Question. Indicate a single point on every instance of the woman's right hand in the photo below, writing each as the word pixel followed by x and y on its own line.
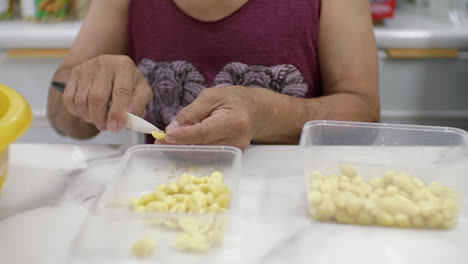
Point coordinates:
pixel 103 89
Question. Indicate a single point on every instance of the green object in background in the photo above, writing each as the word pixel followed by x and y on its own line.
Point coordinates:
pixel 6 9
pixel 5 15
pixel 51 9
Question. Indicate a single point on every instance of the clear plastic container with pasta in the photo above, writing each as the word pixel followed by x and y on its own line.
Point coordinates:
pixel 385 175
pixel 169 204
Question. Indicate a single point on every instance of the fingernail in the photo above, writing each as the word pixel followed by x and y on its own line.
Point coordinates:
pixel 102 127
pixel 113 126
pixel 173 125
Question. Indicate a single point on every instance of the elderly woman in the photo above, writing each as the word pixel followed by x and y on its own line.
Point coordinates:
pixel 221 72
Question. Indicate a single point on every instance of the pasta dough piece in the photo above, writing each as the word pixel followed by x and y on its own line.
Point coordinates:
pixel 179 208
pixel 159 134
pixel 217 177
pixel 144 247
pixel 343 217
pixel 197 195
pixel 344 178
pixel 365 219
pixel 196 201
pixel 435 220
pixel 185 241
pixel 315 197
pixel 396 199
pixel 346 187
pixel 402 220
pixel 348 170
pixel 384 219
pixel 391 190
pixel 188 194
pixel 404 182
pixel 170 200
pixel 224 200
pixel 365 189
pixel 190 188
pixel 357 180
pixel 417 182
pixel 157 206
pixel 327 209
pixel 376 183
pixel 318 175
pixel 354 205
pixel 417 221
pixel 171 188
pixel 388 177
pixel 341 199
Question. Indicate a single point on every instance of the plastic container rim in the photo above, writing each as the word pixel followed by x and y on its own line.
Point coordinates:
pixel 308 125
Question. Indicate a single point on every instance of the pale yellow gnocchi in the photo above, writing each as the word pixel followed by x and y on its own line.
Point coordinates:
pixel 144 247
pixel 190 194
pixel 396 199
pixel 200 234
pixel 159 134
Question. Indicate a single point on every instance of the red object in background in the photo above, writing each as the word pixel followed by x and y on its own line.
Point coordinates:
pixel 382 9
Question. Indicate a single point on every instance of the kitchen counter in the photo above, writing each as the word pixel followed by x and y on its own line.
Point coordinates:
pixel 17 34
pixel 409 29
pixel 412 29
pixel 51 188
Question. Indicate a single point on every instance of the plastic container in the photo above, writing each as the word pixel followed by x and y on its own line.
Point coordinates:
pixel 113 227
pixel 15 118
pixel 432 154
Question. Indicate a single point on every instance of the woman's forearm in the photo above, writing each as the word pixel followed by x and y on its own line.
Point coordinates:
pixel 280 118
pixel 60 118
pixel 103 31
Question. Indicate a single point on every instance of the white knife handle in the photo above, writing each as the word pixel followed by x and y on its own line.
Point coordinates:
pixel 139 124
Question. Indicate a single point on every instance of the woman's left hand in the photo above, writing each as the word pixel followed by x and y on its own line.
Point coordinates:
pixel 219 116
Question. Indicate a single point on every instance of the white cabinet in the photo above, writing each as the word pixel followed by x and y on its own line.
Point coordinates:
pixel 424 91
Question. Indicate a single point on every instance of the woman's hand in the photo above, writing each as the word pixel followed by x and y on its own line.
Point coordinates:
pixel 103 89
pixel 219 116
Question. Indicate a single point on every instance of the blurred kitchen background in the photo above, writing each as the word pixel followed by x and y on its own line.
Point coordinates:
pixel 423 59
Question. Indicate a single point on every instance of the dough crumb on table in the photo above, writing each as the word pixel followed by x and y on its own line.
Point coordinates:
pixel 395 200
pixel 144 247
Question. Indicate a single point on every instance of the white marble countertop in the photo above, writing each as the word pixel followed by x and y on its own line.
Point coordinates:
pixel 409 29
pixel 51 188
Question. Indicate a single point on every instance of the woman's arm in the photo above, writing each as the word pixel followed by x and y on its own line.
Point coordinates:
pixel 349 68
pixel 348 63
pixel 104 31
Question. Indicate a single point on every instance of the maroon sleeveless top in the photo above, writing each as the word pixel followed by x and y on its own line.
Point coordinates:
pixel 266 43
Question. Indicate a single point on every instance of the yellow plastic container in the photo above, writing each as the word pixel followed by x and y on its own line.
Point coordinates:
pixel 15 118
